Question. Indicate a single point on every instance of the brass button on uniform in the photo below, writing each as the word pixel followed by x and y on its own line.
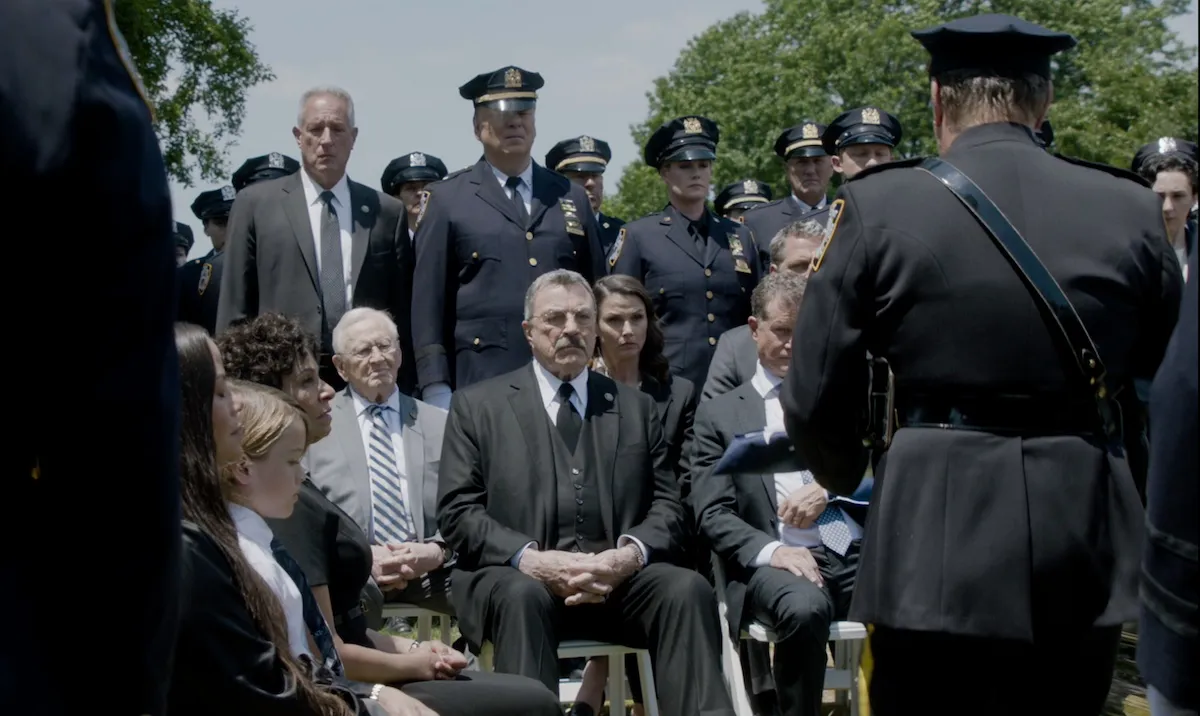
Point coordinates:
pixel 712 341
pixel 574 471
pixel 708 295
pixel 661 291
pixel 708 272
pixel 711 318
pixel 529 236
pixel 533 262
pixel 476 341
pixel 474 254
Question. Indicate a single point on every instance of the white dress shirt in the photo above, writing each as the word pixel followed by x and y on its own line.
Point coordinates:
pixel 254 537
pixel 341 204
pixel 806 209
pixel 525 189
pixel 395 426
pixel 767 384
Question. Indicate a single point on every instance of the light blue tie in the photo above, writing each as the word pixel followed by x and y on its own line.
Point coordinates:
pixel 835 533
pixel 391 521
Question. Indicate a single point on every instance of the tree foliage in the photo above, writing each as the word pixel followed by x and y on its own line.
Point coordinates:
pixel 1129 81
pixel 192 58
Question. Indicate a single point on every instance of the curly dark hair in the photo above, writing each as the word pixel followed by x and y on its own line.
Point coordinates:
pixel 651 361
pixel 1171 163
pixel 266 348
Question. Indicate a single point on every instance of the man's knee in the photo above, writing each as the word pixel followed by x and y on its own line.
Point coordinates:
pixel 803 614
pixel 520 592
pixel 683 586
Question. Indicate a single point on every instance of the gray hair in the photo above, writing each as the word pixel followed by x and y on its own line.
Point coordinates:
pixel 781 284
pixel 970 98
pixel 356 317
pixel 330 91
pixel 803 228
pixel 557 277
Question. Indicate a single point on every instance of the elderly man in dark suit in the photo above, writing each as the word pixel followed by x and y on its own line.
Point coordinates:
pixel 557 494
pixel 314 244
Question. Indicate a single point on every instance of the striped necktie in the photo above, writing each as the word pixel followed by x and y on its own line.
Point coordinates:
pixel 391 521
pixel 313 618
pixel 835 533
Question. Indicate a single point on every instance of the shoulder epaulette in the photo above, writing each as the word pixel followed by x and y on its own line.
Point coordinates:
pixel 1106 168
pixel 897 164
pixel 451 175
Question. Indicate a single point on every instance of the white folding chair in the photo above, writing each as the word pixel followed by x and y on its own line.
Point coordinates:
pixel 424 617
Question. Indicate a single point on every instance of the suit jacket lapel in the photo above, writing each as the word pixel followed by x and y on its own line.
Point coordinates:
pixel 530 415
pixel 752 415
pixel 296 208
pixel 489 189
pixel 678 234
pixel 414 462
pixel 362 218
pixel 602 424
pixel 348 433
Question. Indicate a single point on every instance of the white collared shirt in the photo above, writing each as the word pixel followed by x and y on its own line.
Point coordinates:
pixel 525 189
pixel 806 209
pixel 548 387
pixel 254 537
pixel 343 207
pixel 767 384
pixel 395 427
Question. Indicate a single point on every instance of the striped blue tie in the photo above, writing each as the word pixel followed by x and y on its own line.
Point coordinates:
pixel 391 520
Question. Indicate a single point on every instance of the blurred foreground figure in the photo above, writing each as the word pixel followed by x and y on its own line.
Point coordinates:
pixel 92 467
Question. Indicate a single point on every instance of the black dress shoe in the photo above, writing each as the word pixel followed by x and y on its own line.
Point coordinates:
pixel 581 709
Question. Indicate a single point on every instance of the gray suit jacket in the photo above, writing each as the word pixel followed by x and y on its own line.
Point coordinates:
pixel 338 464
pixel 732 364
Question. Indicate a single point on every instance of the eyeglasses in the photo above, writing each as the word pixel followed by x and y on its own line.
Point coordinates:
pixel 584 318
pixel 384 347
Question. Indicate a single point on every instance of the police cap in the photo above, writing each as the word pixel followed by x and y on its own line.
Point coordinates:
pixel 183 236
pixel 683 139
pixel 268 166
pixel 742 195
pixel 1164 146
pixel 992 45
pixel 508 89
pixel 579 154
pixel 415 166
pixel 214 204
pixel 803 140
pixel 865 125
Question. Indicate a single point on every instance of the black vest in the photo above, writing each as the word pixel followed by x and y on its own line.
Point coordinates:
pixel 580 524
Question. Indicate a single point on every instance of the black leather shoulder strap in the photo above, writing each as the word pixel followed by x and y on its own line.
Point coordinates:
pixel 1056 309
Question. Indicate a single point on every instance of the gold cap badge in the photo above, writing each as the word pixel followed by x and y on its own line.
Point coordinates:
pixel 750 186
pixel 587 144
pixel 809 131
pixel 870 115
pixel 691 125
pixel 512 78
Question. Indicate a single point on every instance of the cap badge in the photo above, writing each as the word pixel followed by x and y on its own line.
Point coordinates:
pixel 228 193
pixel 275 160
pixel 691 125
pixel 870 115
pixel 587 144
pixel 512 78
pixel 416 159
pixel 1167 144
pixel 750 186
pixel 809 131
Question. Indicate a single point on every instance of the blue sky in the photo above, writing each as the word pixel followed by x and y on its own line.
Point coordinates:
pixel 403 62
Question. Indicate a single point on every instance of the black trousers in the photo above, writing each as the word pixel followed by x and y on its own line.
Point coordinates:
pixel 667 609
pixel 479 693
pixel 1064 674
pixel 800 613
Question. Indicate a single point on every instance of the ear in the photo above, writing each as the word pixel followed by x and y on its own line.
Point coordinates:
pixel 935 96
pixel 836 161
pixel 527 329
pixel 296 134
pixel 353 137
pixel 772 268
pixel 339 363
pixel 753 323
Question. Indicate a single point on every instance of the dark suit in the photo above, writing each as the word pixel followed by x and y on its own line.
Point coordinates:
pixel 610 228
pixel 769 219
pixel 200 291
pixel 739 515
pixel 733 362
pixel 271 260
pixel 475 261
pixel 1007 546
pixel 75 134
pixel 500 489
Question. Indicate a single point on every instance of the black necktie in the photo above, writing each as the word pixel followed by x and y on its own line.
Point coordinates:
pixel 569 423
pixel 514 183
pixel 313 619
pixel 333 280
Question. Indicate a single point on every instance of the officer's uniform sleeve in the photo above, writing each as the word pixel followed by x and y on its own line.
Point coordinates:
pixel 625 256
pixel 434 290
pixel 827 381
pixel 239 277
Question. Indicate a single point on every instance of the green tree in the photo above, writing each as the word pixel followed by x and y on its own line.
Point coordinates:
pixel 192 58
pixel 1129 81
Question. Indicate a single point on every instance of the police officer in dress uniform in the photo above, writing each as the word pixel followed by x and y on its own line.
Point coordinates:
pixel 809 169
pixel 1003 541
pixel 1170 165
pixel 75 116
pixel 262 168
pixel 406 177
pixel 200 279
pixel 184 240
pixel 737 198
pixel 583 160
pixel 484 233
pixel 699 268
pixel 861 138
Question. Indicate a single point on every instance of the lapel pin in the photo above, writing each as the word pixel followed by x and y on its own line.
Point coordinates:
pixel 364 208
pixel 608 396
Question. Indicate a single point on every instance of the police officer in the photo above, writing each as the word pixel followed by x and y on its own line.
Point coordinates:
pixel 184 240
pixel 809 170
pixel 699 268
pixel 200 279
pixel 1005 532
pixel 75 117
pixel 583 160
pixel 483 235
pixel 737 198
pixel 860 139
pixel 1171 166
pixel 406 177
pixel 262 168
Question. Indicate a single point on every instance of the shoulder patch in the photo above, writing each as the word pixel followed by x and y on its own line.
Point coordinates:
pixel 835 215
pixel 424 195
pixel 615 252
pixel 897 164
pixel 1106 168
pixel 118 40
pixel 205 277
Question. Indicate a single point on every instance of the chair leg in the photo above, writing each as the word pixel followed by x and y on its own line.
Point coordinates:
pixel 616 684
pixel 649 690
pixel 424 626
pixel 854 664
pixel 841 653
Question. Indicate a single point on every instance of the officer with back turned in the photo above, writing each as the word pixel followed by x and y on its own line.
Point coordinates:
pixel 483 235
pixel 1005 528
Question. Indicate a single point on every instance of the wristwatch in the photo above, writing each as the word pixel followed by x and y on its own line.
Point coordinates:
pixel 375 691
pixel 447 553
